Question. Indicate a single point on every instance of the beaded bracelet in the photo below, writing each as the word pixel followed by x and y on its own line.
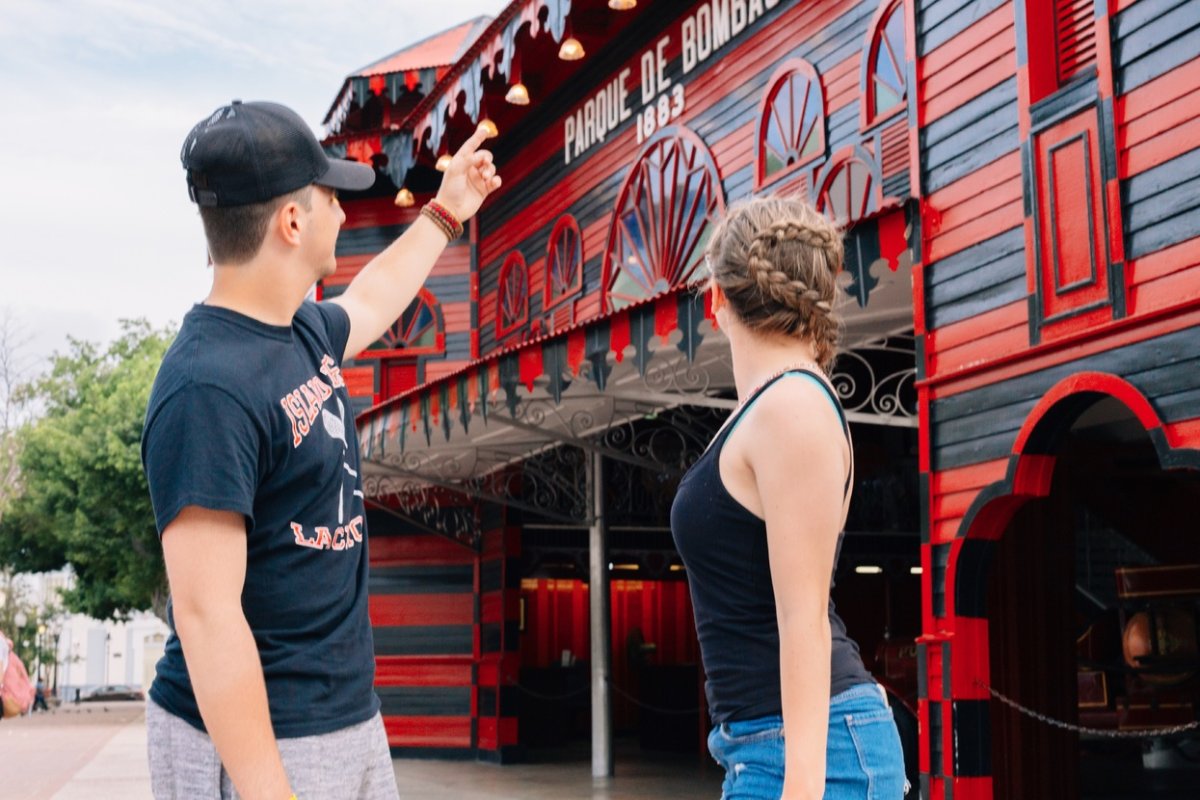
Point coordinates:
pixel 443 218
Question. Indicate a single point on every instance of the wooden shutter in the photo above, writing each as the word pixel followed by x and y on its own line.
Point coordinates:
pixel 1075 34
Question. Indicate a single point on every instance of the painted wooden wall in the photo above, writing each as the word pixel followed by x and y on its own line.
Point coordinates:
pixel 724 103
pixel 996 340
pixel 445 624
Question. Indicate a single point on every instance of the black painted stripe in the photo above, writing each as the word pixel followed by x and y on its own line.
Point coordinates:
pixel 491 576
pixel 972 136
pixel 358 241
pixel 424 701
pixel 981 425
pixel 438 579
pixel 1064 103
pixel 1145 27
pixel 450 288
pixel 1153 38
pixel 941 20
pixel 940 556
pixel 491 637
pixel 424 640
pixel 935 738
pixel 1160 205
pixel 897 185
pixel 976 294
pixel 843 127
pixel 980 278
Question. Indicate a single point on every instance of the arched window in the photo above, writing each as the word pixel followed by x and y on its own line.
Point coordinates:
pixel 885 82
pixel 419 331
pixel 849 191
pixel 664 214
pixel 791 125
pixel 564 262
pixel 512 295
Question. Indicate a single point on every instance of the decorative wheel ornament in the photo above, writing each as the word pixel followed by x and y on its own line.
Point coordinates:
pixel 512 296
pixel 849 192
pixel 417 331
pixel 886 84
pixel 664 214
pixel 564 262
pixel 791 129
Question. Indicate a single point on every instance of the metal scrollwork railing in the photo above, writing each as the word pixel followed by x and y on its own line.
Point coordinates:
pixel 878 378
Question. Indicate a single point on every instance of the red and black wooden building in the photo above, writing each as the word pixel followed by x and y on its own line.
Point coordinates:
pixel 1022 303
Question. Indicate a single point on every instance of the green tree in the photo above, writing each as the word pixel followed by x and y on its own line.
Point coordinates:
pixel 83 499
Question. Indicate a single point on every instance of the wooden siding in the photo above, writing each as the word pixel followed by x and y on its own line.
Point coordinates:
pixel 539 188
pixel 939 21
pixel 981 424
pixel 422 609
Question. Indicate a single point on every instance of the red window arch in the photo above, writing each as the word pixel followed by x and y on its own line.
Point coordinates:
pixel 664 214
pixel 849 190
pixel 512 295
pixel 564 262
pixel 885 71
pixel 791 125
pixel 420 330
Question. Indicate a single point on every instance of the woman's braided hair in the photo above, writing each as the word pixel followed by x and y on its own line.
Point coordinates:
pixel 777 261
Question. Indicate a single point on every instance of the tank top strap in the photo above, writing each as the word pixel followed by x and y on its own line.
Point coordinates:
pixel 719 443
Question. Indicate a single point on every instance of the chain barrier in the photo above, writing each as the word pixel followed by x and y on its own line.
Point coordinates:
pixel 1149 733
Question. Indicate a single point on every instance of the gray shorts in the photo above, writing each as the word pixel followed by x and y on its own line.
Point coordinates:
pixel 351 763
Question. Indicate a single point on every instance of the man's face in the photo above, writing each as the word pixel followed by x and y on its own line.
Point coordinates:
pixel 325 220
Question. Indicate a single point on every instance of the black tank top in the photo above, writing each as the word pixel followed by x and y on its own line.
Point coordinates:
pixel 724 548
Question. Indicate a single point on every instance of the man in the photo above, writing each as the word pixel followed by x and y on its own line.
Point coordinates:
pixel 265 690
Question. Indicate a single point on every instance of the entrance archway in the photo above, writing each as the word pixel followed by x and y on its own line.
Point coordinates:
pixel 1078 586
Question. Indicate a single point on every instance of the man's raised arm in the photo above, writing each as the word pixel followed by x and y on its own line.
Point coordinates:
pixel 379 294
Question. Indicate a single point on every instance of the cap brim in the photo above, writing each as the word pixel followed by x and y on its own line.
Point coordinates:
pixel 349 176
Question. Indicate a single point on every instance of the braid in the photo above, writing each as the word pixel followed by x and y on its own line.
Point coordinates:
pixel 777 262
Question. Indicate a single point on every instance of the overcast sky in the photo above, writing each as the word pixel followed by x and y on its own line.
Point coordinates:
pixel 96 97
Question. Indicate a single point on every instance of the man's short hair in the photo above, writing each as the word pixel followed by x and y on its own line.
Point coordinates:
pixel 235 234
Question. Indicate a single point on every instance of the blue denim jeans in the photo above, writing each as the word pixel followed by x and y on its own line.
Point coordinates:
pixel 863 758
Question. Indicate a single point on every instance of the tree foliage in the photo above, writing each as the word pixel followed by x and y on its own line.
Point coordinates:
pixel 83 499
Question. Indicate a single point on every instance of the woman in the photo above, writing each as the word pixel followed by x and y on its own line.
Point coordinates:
pixel 758 522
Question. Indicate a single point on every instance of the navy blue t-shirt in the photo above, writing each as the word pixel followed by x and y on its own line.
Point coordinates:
pixel 255 418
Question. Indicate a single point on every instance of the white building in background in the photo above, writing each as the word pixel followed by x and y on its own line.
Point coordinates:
pixel 92 652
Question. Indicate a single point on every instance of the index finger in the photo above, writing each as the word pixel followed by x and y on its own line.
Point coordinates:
pixel 472 144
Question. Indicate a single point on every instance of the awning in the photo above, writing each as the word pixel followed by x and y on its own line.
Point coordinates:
pixel 588 385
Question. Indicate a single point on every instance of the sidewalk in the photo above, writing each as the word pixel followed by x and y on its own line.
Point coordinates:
pixel 98 752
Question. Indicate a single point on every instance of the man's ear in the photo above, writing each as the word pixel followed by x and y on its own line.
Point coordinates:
pixel 289 222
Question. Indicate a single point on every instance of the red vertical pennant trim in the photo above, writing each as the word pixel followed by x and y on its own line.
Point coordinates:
pixel 472 389
pixel 891 238
pixel 414 411
pixel 493 381
pixel 666 317
pixel 435 404
pixel 530 360
pixel 378 84
pixel 618 335
pixel 576 348
pixel 452 397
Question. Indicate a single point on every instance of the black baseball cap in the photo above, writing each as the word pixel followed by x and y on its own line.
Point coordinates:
pixel 247 153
